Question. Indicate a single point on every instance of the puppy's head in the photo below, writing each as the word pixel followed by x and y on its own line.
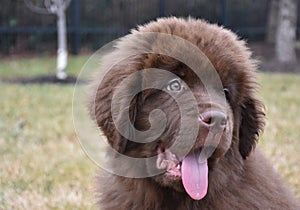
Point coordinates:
pixel 233 119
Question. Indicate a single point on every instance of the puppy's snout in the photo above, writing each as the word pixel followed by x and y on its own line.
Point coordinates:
pixel 213 119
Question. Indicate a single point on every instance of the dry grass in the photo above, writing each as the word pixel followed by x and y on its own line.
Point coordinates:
pixel 42 165
pixel 281 139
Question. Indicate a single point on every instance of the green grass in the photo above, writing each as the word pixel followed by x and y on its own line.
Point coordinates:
pixel 42 165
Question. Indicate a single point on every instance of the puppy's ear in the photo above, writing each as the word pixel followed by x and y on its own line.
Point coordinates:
pixel 252 123
pixel 124 124
pixel 112 104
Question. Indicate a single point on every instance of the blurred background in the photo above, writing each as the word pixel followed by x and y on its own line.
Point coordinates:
pixel 90 23
pixel 45 43
pixel 29 27
pixel 93 23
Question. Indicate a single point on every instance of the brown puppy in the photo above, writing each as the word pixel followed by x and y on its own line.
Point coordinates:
pixel 235 175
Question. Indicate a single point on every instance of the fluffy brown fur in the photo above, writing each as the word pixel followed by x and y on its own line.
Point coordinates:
pixel 239 177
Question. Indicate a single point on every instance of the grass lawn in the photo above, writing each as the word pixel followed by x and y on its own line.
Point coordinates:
pixel 42 165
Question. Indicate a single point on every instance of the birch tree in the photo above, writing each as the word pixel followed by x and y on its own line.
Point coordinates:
pixel 57 7
pixel 272 22
pixel 286 31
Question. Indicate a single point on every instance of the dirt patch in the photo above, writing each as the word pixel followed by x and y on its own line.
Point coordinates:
pixel 43 79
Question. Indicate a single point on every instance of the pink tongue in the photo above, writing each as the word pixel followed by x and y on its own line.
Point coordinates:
pixel 195 176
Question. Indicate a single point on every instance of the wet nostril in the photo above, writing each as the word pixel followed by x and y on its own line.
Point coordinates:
pixel 206 119
pixel 213 119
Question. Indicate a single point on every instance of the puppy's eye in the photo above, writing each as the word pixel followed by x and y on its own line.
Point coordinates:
pixel 227 93
pixel 174 85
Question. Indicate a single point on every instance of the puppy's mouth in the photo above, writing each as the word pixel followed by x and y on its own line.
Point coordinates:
pixel 192 170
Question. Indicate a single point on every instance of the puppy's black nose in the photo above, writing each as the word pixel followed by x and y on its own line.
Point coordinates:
pixel 213 119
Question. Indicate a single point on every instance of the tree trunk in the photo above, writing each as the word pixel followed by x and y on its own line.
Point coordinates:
pixel 286 32
pixel 62 52
pixel 272 21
